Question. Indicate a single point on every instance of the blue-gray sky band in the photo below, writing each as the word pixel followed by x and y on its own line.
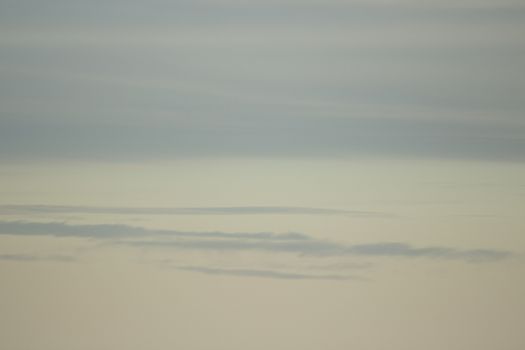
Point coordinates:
pixel 129 81
pixel 272 136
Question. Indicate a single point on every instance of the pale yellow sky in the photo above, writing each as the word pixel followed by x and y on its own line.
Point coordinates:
pixel 72 292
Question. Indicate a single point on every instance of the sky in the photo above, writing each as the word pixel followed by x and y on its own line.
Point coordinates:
pixel 293 174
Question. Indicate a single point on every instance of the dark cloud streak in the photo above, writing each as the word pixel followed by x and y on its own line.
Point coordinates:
pixel 244 210
pixel 262 273
pixel 320 248
pixel 34 257
pixel 112 231
pixel 295 243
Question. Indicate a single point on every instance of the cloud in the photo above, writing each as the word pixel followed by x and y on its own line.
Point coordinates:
pixel 111 231
pixel 261 273
pixel 34 257
pixel 57 229
pixel 403 249
pixel 320 248
pixel 294 243
pixel 244 210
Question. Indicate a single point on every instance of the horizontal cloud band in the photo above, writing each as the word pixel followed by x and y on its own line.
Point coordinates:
pixel 297 243
pixel 261 273
pixel 244 210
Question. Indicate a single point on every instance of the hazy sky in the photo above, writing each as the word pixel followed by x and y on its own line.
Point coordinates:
pixel 295 174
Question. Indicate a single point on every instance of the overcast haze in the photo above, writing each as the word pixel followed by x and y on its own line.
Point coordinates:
pixel 295 174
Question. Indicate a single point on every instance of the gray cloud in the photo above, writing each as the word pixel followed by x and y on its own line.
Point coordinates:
pixel 245 210
pixel 24 228
pixel 262 273
pixel 296 243
pixel 320 248
pixel 35 257
pixel 402 249
pixel 110 231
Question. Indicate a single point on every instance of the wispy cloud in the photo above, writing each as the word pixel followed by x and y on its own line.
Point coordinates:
pixel 294 243
pixel 111 231
pixel 238 210
pixel 321 248
pixel 35 257
pixel 262 273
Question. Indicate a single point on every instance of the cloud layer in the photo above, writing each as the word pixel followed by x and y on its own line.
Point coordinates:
pixel 245 210
pixel 37 257
pixel 262 273
pixel 267 242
